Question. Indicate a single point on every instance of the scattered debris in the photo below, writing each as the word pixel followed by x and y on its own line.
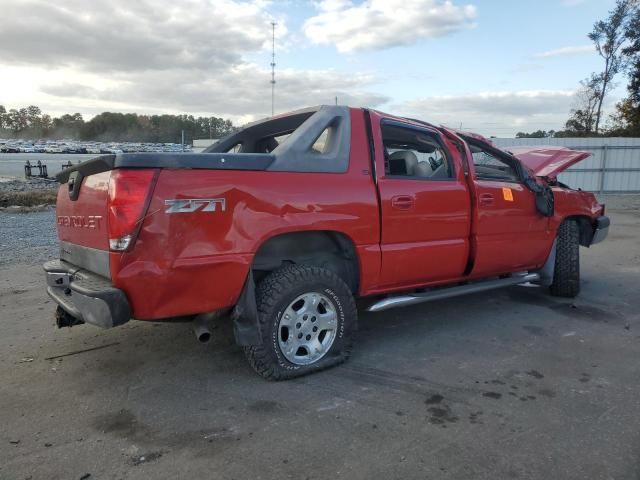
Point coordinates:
pixel 26 360
pixel 146 458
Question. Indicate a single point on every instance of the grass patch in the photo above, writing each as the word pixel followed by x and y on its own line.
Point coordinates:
pixel 31 198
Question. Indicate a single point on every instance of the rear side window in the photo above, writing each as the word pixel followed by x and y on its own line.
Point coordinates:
pixel 414 153
pixel 321 145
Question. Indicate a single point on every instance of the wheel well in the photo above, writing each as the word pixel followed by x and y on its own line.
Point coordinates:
pixel 327 249
pixel 585 226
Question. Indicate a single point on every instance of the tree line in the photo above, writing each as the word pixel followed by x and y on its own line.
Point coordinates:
pixel 30 122
pixel 616 39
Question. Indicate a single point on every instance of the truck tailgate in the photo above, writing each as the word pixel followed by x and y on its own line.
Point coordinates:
pixel 82 223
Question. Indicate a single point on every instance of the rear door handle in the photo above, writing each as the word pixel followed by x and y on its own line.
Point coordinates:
pixel 402 202
pixel 486 199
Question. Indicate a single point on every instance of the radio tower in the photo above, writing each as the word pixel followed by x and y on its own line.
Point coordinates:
pixel 273 65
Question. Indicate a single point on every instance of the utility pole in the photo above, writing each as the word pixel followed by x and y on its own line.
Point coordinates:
pixel 273 66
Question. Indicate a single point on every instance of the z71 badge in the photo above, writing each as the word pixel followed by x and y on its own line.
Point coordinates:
pixel 189 205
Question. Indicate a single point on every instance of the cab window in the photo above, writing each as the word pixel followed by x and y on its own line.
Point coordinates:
pixel 491 167
pixel 415 153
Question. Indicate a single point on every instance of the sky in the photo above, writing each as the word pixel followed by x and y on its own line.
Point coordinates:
pixel 492 66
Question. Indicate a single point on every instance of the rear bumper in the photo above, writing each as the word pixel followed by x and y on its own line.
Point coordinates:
pixel 85 295
pixel 602 229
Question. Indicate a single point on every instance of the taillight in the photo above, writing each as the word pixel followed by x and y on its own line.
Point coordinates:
pixel 129 196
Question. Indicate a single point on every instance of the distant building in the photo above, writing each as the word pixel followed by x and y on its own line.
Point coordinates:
pixel 201 143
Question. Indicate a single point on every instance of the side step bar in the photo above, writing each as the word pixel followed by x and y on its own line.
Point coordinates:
pixel 482 286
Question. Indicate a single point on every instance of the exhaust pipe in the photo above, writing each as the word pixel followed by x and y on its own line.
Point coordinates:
pixel 201 328
pixel 63 319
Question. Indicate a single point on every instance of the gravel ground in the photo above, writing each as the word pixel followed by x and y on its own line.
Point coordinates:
pixel 27 238
pixel 19 185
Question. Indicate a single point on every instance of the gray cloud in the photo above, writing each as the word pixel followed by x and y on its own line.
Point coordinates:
pixel 496 113
pixel 153 56
pixel 233 92
pixel 132 35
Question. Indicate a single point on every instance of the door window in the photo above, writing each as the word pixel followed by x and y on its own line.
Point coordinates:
pixel 491 167
pixel 414 153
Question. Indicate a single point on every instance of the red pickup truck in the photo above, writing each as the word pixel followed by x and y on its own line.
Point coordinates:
pixel 286 222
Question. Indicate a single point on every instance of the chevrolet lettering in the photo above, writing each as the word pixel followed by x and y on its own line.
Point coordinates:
pixel 80 221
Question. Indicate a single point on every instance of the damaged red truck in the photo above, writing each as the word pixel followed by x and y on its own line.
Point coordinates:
pixel 286 222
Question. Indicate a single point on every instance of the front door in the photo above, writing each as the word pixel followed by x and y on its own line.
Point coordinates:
pixel 510 235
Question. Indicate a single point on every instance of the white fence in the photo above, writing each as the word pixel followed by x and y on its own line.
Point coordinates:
pixel 614 166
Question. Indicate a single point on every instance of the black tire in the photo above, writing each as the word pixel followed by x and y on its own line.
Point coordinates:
pixel 274 294
pixel 566 275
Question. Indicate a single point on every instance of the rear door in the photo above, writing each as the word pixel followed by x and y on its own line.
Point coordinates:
pixel 425 205
pixel 510 234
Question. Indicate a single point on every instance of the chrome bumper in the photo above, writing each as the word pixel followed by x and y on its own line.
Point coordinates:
pixel 85 295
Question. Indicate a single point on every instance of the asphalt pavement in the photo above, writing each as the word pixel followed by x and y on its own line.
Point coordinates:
pixel 507 384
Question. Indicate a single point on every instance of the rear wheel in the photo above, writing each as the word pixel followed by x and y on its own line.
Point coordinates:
pixel 566 275
pixel 307 318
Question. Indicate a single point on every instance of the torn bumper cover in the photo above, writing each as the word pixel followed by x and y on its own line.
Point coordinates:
pixel 85 295
pixel 601 230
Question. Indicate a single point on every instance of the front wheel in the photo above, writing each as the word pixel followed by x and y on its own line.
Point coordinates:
pixel 566 275
pixel 307 318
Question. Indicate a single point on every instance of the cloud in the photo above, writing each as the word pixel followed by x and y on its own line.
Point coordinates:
pixel 121 34
pixel 155 56
pixel 579 50
pixel 495 113
pixel 380 24
pixel 241 93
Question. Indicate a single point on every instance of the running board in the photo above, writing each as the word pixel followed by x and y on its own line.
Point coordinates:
pixel 404 300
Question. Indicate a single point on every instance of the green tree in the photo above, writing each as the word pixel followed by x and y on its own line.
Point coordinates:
pixel 626 120
pixel 609 37
pixel 536 134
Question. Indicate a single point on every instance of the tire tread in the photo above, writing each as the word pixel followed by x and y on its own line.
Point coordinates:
pixel 566 275
pixel 269 293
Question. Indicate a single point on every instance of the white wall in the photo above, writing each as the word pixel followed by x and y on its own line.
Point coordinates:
pixel 613 167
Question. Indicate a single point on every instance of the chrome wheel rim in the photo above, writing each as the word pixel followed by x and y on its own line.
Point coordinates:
pixel 307 328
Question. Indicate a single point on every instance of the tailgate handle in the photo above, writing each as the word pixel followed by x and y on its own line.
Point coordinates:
pixel 74 182
pixel 402 202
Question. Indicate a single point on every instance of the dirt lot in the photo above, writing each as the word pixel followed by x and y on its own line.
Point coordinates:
pixel 510 384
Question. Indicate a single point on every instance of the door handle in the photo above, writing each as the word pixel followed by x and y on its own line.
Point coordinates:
pixel 486 199
pixel 402 202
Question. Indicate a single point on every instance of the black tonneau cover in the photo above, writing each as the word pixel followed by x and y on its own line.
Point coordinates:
pixel 213 161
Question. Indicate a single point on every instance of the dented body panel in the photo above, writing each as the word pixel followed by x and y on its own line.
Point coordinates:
pixel 195 242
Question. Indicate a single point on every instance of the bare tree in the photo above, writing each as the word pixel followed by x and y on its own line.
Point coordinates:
pixel 585 104
pixel 609 37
